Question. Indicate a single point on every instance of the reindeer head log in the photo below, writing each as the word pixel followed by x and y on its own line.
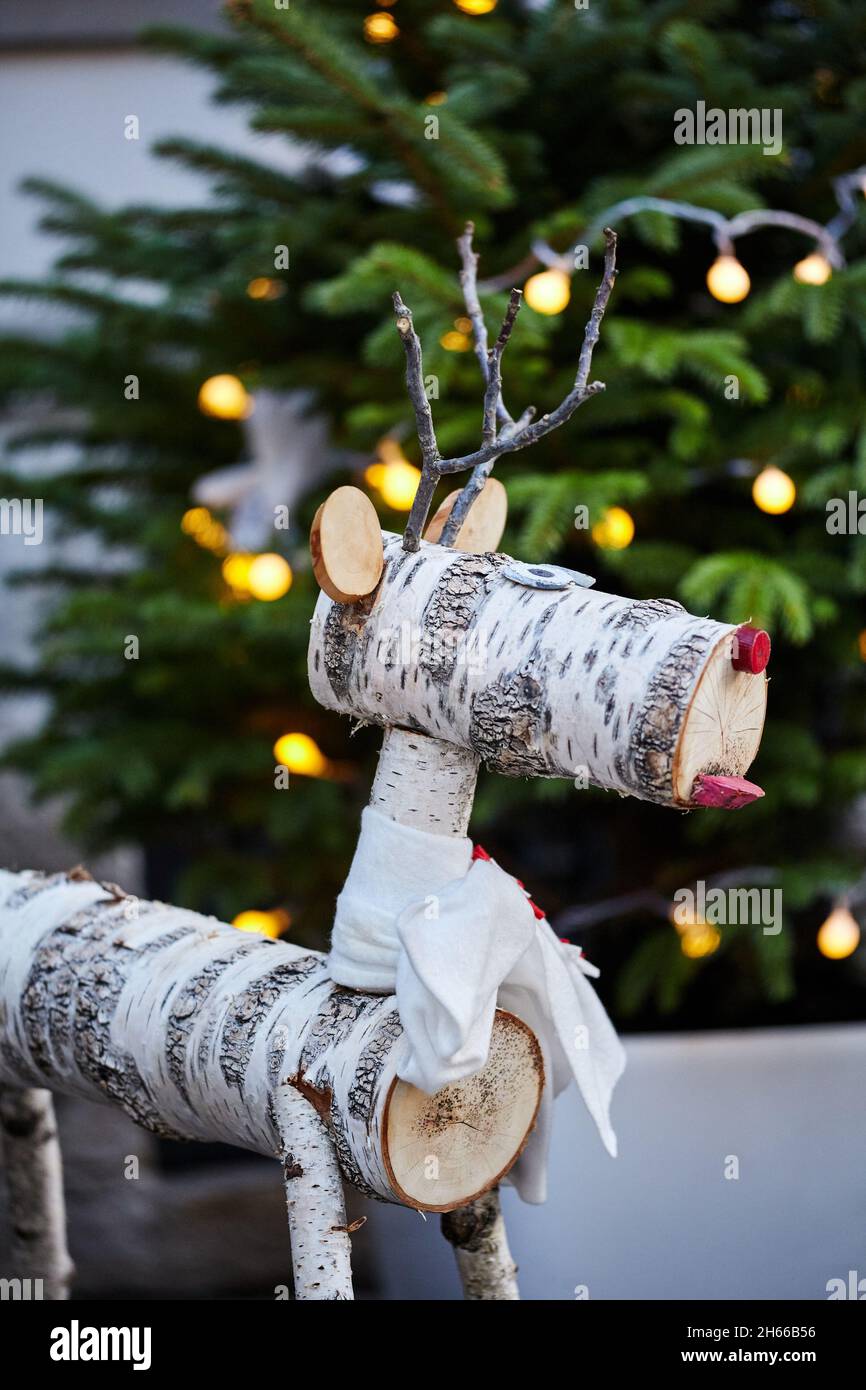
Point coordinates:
pixel 542 677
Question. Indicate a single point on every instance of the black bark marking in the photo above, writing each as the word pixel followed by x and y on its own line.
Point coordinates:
pixel 188 1005
pixel 505 724
pixel 370 1064
pixel 649 766
pixel 250 1008
pixel 450 610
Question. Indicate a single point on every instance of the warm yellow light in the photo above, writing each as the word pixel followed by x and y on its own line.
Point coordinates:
pixel 700 940
pixel 463 325
pixel 615 530
pixel 374 474
pixel 196 520
pixel 727 280
pixel 271 924
pixel 225 397
pixel 861 644
pixel 476 6
pixel 839 936
pixel 813 270
pixel 773 491
pixel 263 288
pixel 212 537
pixel 453 341
pixel 269 577
pixel 380 28
pixel 548 292
pixel 301 754
pixel 398 484
pixel 236 570
pixel 436 99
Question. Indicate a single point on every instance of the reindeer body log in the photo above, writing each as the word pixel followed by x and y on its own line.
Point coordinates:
pixel 539 676
pixel 193 1028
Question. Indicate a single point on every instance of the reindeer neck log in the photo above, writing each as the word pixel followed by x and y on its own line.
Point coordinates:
pixel 535 675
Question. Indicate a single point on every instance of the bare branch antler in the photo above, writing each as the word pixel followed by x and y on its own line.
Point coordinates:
pixel 514 434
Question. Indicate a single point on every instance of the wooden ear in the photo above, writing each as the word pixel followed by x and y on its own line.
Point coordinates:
pixel 346 546
pixel 482 530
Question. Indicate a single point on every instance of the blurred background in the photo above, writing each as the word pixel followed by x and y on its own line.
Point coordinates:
pixel 201 230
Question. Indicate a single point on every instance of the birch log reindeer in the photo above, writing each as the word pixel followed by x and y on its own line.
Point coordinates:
pixel 417 1060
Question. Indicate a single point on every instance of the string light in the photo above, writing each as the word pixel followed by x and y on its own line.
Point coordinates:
pixel 773 491
pixel 301 754
pixel 615 529
pixel 728 280
pixel 271 924
pixel 380 27
pixel 225 397
pixel 205 531
pixel 548 292
pixel 264 288
pixel 236 570
pixel 398 485
pixel 839 936
pixel 476 6
pixel 699 940
pixel 455 341
pixel 813 270
pixel 269 577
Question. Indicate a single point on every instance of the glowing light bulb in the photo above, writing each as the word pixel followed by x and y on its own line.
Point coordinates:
pixel 700 940
pixel 301 754
pixel 727 280
pixel 463 325
pixel 196 520
pixel 398 484
pixel 454 341
pixel 271 924
pixel 264 288
pixel 548 292
pixel 839 936
pixel 436 99
pixel 225 397
pixel 813 270
pixel 236 570
pixel 476 6
pixel 380 27
pixel 861 644
pixel 269 577
pixel 773 491
pixel 615 530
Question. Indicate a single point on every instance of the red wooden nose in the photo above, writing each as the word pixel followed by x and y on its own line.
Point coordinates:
pixel 725 793
pixel 751 650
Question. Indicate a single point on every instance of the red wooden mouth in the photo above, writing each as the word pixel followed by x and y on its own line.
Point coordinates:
pixel 725 793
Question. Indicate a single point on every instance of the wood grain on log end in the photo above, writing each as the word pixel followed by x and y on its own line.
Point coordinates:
pixel 346 546
pixel 721 729
pixel 444 1151
pixel 482 530
pixel 724 793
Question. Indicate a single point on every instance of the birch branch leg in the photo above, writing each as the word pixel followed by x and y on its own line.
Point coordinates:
pixel 484 1261
pixel 321 1247
pixel 34 1174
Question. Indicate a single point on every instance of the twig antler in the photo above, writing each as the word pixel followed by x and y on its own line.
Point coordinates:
pixel 501 433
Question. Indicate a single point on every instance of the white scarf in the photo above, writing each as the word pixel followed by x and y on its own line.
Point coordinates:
pixel 454 937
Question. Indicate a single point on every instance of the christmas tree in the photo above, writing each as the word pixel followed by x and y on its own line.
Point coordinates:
pixel 176 664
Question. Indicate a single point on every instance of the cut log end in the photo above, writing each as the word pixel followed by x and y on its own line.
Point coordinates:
pixel 721 730
pixel 482 530
pixel 443 1151
pixel 346 546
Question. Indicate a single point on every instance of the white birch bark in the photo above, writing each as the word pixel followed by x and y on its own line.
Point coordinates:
pixel 538 676
pixel 484 1261
pixel 319 1235
pixel 34 1177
